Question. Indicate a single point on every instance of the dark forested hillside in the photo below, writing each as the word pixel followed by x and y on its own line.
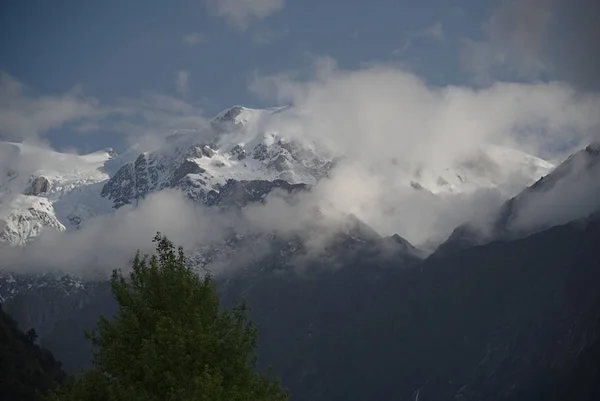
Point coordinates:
pixel 511 320
pixel 26 370
pixel 515 320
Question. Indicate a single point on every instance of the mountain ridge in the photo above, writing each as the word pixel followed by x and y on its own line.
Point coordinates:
pixel 582 167
pixel 243 146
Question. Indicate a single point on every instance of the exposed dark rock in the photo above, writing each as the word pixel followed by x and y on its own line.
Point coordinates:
pixel 229 116
pixel 261 152
pixel 239 152
pixel 280 163
pixel 207 151
pixel 121 187
pixel 37 186
pixel 241 193
pixel 134 181
pixel 187 167
pixel 442 182
pixel 416 185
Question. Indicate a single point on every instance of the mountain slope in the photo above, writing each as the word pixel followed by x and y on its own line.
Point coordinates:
pixel 505 321
pixel 25 368
pixel 569 192
pixel 42 189
pixel 24 217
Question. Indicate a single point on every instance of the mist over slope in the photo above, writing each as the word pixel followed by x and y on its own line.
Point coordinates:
pixel 570 192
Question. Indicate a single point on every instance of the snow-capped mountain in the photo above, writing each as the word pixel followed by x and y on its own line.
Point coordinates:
pixel 200 165
pixel 23 217
pixel 570 192
pixel 46 189
pixel 241 158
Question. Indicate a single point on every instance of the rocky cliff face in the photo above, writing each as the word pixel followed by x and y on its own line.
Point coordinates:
pixel 37 186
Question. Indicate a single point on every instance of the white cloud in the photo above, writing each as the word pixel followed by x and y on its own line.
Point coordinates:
pixel 144 121
pixel 401 51
pixel 194 38
pixel 240 13
pixel 434 31
pixel 23 115
pixel 376 116
pixel 383 113
pixel 182 82
pixel 267 36
pixel 108 242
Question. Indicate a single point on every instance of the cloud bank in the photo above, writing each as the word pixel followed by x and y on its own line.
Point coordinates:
pixel 27 116
pixel 383 114
pixel 109 241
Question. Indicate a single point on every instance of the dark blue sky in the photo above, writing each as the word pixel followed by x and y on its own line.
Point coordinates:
pixel 116 49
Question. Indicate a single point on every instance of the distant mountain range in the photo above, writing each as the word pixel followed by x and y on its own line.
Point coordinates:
pixel 508 310
pixel 61 191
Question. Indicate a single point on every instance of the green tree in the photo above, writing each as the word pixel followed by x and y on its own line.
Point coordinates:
pixel 170 340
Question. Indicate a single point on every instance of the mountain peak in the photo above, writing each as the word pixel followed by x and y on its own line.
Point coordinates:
pixel 238 116
pixel 570 191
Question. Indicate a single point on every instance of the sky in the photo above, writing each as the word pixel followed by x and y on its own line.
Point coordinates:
pixel 207 52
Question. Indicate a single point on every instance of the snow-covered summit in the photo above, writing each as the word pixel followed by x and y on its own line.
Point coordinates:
pixel 240 115
pixel 240 148
pixel 24 217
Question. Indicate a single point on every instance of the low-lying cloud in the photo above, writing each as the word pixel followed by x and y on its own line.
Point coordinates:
pixel 110 241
